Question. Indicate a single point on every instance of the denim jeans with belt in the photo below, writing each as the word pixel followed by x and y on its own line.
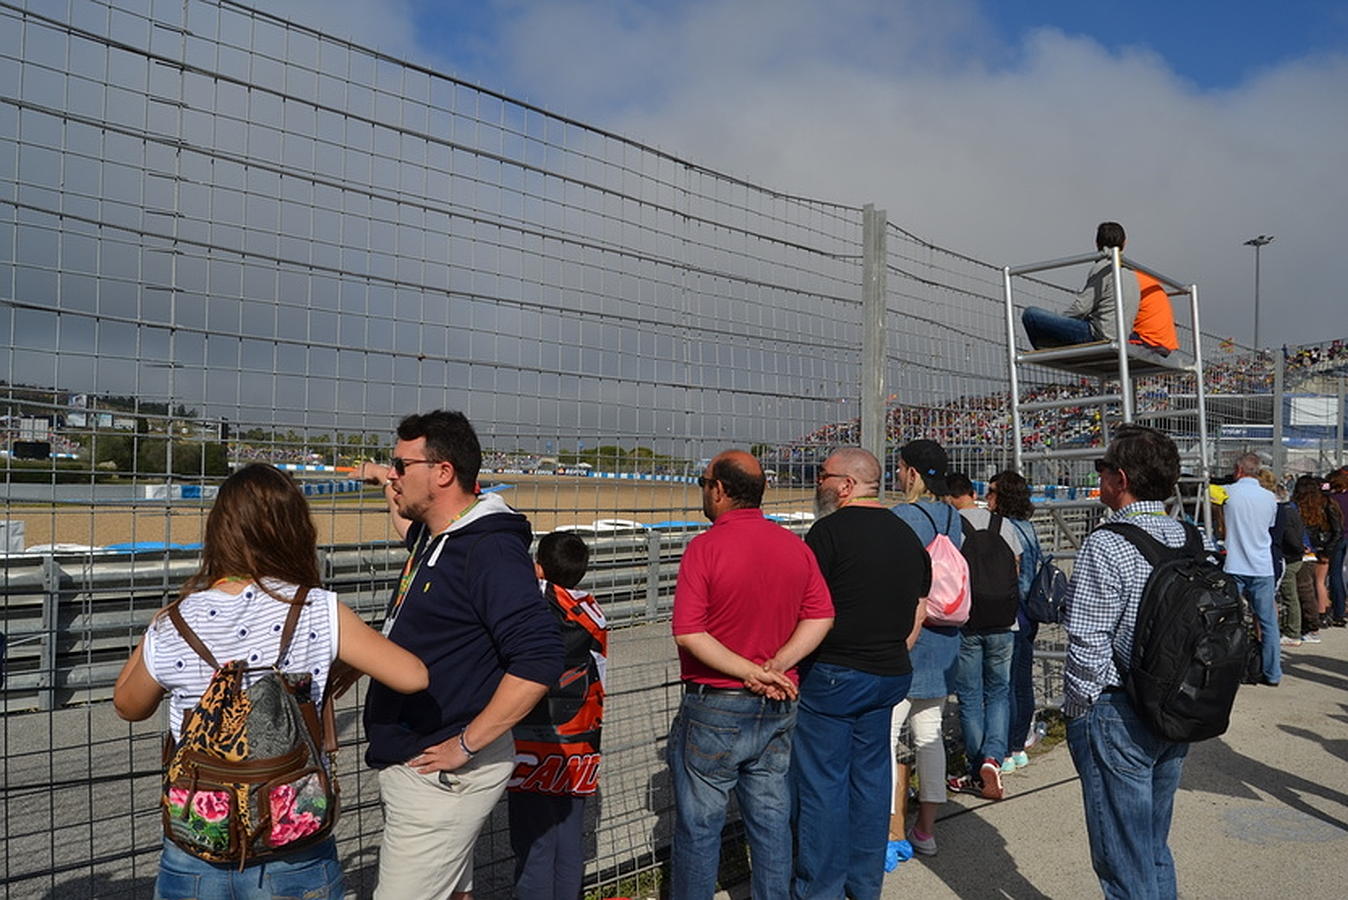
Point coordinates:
pixel 722 742
pixel 840 773
pixel 313 872
pixel 1129 776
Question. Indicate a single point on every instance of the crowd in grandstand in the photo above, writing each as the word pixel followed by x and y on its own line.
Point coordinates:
pixel 983 419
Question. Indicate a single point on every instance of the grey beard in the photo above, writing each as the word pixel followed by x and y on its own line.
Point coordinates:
pixel 824 504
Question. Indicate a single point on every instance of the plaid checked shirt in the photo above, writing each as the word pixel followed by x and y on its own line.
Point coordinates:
pixel 1102 601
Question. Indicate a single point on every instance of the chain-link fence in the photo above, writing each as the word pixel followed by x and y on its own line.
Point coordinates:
pixel 226 238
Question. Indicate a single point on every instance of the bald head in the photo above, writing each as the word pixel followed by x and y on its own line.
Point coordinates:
pixel 741 478
pixel 860 465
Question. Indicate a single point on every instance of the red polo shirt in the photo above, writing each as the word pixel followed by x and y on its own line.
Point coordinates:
pixel 746 581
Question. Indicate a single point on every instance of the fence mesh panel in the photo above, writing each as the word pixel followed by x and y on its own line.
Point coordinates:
pixel 228 238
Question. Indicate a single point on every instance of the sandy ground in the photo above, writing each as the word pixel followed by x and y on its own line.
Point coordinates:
pixel 548 501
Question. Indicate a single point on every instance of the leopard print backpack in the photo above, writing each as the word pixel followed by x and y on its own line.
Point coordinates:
pixel 251 778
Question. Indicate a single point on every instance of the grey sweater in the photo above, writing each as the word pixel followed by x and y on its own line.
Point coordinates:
pixel 1095 302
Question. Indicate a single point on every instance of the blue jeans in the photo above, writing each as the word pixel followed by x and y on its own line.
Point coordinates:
pixel 547 834
pixel 313 873
pixel 982 683
pixel 1128 782
pixel 1050 329
pixel 1259 590
pixel 1021 695
pixel 719 743
pixel 840 775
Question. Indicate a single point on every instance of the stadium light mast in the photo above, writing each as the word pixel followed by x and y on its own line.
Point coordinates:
pixel 1257 243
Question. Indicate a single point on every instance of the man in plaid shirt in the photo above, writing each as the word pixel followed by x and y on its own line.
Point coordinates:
pixel 1128 773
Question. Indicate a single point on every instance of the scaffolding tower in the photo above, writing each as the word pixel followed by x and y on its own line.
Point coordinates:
pixel 1109 363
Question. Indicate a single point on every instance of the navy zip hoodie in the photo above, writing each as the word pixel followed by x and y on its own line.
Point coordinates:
pixel 472 614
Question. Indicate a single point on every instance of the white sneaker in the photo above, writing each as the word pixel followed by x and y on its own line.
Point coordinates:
pixel 1286 641
pixel 1311 638
pixel 924 846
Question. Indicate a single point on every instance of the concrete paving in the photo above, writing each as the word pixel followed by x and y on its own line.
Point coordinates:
pixel 1262 811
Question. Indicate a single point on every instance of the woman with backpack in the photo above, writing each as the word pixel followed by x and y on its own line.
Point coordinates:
pixel 920 480
pixel 259 560
pixel 1009 495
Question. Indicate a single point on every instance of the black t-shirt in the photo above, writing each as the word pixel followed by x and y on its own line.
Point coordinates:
pixel 876 570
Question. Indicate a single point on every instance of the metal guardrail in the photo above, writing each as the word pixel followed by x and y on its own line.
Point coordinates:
pixel 71 619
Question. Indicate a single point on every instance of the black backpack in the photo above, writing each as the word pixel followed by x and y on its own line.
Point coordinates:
pixel 1190 644
pixel 992 576
pixel 1046 601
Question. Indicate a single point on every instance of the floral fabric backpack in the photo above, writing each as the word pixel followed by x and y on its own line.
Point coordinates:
pixel 251 776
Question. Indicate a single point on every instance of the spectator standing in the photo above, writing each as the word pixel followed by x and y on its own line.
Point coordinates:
pixel 1290 545
pixel 1009 495
pixel 876 571
pixel 468 606
pixel 983 671
pixel 557 743
pixel 1323 528
pixel 1338 493
pixel 1250 514
pixel 259 559
pixel 921 479
pixel 750 603
pixel 1128 774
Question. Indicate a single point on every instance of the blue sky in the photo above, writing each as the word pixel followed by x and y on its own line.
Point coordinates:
pixel 1214 45
pixel 1003 130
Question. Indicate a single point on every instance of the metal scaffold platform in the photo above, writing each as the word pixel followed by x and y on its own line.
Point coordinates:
pixel 1113 366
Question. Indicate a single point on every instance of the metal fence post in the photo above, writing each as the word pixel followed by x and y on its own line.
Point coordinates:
pixel 1279 383
pixel 652 574
pixel 51 602
pixel 1339 446
pixel 873 334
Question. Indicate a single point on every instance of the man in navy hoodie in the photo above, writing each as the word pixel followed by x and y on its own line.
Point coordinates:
pixel 468 605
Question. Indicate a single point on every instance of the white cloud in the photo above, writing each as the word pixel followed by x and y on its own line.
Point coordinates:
pixel 388 26
pixel 1008 162
pixel 1009 153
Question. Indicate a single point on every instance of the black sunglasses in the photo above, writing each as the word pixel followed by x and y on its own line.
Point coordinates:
pixel 704 482
pixel 399 465
pixel 1104 465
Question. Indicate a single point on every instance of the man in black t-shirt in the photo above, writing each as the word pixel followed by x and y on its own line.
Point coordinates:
pixel 876 570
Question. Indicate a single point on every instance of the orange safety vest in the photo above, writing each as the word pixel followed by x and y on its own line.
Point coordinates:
pixel 1155 322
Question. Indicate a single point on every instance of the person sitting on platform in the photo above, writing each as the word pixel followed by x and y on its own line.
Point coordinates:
pixel 1091 316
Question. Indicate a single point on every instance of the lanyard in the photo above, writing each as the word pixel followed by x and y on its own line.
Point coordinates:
pixel 410 570
pixel 413 566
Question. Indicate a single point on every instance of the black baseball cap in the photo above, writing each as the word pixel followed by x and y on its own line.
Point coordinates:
pixel 929 458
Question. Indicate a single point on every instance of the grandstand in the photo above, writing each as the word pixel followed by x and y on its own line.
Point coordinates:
pixel 1239 390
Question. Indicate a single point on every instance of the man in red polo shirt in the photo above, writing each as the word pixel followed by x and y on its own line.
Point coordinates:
pixel 750 603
